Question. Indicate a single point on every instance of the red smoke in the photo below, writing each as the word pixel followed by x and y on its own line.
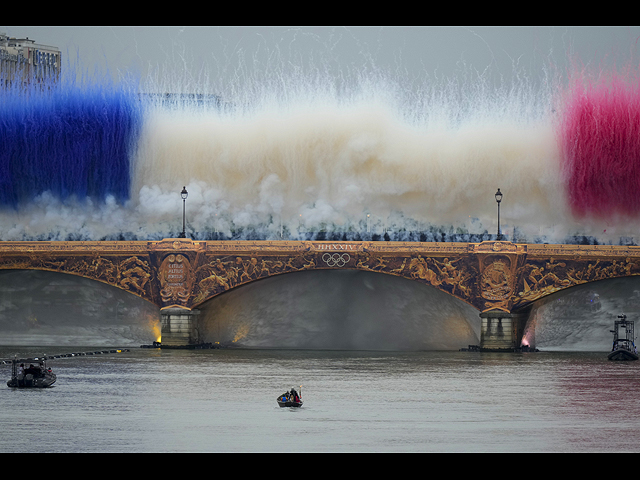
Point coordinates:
pixel 600 144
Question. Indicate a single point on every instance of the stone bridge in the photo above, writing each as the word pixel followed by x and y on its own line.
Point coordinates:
pixel 500 279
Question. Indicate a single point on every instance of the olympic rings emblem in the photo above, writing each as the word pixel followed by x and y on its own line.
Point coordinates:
pixel 336 260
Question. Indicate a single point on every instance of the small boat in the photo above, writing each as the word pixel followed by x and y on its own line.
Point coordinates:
pixel 624 347
pixel 291 398
pixel 33 376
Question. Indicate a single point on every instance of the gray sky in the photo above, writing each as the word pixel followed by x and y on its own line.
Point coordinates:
pixel 412 51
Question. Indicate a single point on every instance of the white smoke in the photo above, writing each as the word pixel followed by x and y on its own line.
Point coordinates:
pixel 328 163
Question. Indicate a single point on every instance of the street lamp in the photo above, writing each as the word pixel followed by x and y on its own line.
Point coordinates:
pixel 499 199
pixel 184 194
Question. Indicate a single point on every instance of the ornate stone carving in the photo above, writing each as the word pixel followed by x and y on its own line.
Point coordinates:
pixel 131 273
pixel 542 277
pixel 497 281
pixel 176 279
pixel 183 272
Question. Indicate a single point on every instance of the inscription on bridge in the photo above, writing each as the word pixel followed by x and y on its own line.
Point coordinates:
pixel 175 279
pixel 337 246
pixel 186 273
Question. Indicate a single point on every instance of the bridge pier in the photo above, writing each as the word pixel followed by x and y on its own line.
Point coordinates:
pixel 502 331
pixel 179 327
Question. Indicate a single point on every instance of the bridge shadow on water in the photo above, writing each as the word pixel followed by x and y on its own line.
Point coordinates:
pixel 324 309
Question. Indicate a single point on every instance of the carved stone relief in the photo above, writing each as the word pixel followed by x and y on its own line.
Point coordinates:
pixel 183 272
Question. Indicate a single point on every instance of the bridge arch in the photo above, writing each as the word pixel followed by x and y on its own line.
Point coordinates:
pixel 124 265
pixel 339 309
pixel 580 317
pixel 214 285
pixel 124 285
pixel 216 274
pixel 547 275
pixel 43 307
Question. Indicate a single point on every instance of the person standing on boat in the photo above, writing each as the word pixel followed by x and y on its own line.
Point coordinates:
pixel 294 395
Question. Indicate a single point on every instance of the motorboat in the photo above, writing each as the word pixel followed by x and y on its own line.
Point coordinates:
pixel 624 347
pixel 290 398
pixel 33 376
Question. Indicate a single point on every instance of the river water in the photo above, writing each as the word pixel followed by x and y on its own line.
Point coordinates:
pixel 224 400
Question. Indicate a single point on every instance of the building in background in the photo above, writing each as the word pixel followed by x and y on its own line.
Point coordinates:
pixel 25 61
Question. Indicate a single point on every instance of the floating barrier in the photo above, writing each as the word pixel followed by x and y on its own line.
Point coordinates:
pixel 66 355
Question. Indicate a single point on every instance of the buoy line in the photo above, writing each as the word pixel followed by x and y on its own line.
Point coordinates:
pixel 65 355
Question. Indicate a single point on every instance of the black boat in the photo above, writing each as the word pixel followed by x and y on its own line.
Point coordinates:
pixel 33 376
pixel 291 398
pixel 624 347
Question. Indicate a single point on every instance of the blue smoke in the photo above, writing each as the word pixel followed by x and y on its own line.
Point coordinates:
pixel 68 140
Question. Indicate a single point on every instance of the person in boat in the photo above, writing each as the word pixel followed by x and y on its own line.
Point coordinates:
pixel 21 369
pixel 33 370
pixel 294 396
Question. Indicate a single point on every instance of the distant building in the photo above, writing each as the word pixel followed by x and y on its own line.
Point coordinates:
pixel 25 61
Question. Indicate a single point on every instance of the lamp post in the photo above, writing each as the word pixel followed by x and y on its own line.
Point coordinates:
pixel 499 199
pixel 184 194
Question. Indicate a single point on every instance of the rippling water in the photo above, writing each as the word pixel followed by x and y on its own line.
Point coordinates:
pixel 149 400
